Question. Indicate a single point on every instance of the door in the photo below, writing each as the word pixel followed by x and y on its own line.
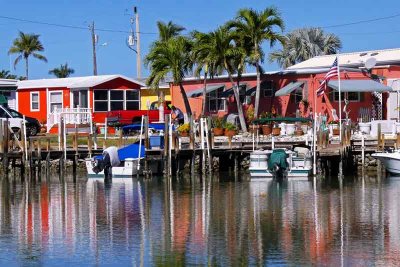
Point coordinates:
pixel 80 98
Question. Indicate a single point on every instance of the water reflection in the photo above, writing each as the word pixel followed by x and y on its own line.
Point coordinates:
pixel 200 222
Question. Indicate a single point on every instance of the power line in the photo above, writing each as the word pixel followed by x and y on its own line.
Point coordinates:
pixel 69 26
pixel 360 22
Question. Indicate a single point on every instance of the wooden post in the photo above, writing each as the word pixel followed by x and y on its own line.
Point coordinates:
pixel 5 146
pixel 90 145
pixel 398 141
pixel 362 150
pixel 146 132
pixel 192 146
pixel 166 145
pixel 379 137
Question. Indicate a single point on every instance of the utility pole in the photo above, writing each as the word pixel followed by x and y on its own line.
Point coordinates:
pixel 133 42
pixel 94 41
pixel 138 59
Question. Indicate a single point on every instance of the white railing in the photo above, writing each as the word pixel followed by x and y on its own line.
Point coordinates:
pixel 76 116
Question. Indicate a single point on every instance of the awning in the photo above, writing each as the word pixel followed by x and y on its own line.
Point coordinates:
pixel 229 92
pixel 3 99
pixel 359 86
pixel 199 92
pixel 287 89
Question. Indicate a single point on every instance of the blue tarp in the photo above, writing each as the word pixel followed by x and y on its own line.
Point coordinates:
pixel 131 151
pixel 137 126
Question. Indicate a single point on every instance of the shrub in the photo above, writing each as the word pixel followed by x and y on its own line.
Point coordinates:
pixel 217 122
pixel 184 128
pixel 230 126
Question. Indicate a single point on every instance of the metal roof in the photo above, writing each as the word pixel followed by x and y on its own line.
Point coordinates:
pixel 73 82
pixel 287 89
pixel 353 59
pixel 359 86
pixel 8 83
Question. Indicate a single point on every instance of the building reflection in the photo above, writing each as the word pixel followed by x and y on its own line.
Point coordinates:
pixel 202 221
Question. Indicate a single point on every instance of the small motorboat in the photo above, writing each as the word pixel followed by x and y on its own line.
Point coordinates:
pixel 116 162
pixel 281 163
pixel 390 159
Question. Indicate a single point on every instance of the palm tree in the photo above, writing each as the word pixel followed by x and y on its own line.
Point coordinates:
pixel 171 57
pixel 27 45
pixel 62 72
pixel 305 43
pixel 203 44
pixel 167 31
pixel 229 57
pixel 254 28
pixel 5 74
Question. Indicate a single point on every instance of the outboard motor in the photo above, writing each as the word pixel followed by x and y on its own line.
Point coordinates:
pixel 106 161
pixel 277 163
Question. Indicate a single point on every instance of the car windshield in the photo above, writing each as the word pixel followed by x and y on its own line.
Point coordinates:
pixel 14 113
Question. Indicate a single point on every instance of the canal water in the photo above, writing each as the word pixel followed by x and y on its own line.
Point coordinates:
pixel 218 222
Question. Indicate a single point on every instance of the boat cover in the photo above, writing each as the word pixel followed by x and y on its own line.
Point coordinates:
pixel 131 151
pixel 137 126
pixel 278 157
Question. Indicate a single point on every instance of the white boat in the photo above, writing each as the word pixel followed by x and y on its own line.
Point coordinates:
pixel 391 160
pixel 296 164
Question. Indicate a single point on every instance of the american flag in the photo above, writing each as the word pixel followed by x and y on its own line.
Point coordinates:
pixel 333 72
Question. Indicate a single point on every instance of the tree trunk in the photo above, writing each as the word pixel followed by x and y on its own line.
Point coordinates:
pixel 26 68
pixel 257 100
pixel 203 112
pixel 185 101
pixel 238 104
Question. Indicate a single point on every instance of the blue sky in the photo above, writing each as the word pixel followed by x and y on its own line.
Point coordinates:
pixel 74 45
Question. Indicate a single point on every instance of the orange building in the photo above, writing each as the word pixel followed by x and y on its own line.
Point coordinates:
pixel 295 88
pixel 95 94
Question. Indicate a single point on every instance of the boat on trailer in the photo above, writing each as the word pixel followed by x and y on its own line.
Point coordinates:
pixel 390 159
pixel 281 163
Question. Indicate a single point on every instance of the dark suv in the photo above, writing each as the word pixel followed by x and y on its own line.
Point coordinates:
pixel 32 124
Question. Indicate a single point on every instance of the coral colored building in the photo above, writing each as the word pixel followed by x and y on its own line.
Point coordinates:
pixel 99 94
pixel 288 90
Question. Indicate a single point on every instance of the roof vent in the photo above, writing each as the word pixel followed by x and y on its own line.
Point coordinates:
pixel 363 54
pixel 374 54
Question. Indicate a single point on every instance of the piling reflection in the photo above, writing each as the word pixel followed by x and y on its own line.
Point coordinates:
pixel 198 221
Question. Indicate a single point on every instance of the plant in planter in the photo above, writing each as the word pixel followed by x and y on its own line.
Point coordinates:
pixel 43 128
pixel 184 129
pixel 334 127
pixel 266 127
pixel 218 127
pixel 230 129
pixel 276 130
pixel 305 104
pixel 250 118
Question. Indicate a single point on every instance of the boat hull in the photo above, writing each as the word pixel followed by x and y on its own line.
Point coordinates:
pixel 391 161
pixel 128 169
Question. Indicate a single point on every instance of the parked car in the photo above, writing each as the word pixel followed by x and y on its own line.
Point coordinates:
pixel 15 118
pixel 118 118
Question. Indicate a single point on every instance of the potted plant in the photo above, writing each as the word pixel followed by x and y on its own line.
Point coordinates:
pixel 267 126
pixel 276 130
pixel 334 127
pixel 217 124
pixel 305 104
pixel 184 129
pixel 253 128
pixel 43 128
pixel 230 129
pixel 299 131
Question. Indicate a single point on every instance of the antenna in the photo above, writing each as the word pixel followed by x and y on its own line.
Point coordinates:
pixel 370 63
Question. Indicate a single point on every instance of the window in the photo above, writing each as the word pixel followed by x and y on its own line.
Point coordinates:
pixel 116 100
pixel 215 101
pixel 34 101
pixel 132 99
pixel 267 89
pixel 100 100
pixel 351 96
pixel 242 93
pixel 55 100
pixel 107 100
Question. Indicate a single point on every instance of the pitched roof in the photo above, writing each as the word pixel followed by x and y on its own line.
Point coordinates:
pixel 354 59
pixel 73 82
